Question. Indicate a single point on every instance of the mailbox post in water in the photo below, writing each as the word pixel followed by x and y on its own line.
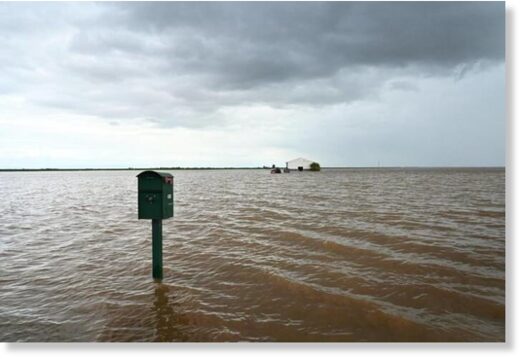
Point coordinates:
pixel 155 202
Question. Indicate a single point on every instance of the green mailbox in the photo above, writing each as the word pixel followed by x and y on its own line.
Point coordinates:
pixel 155 202
pixel 155 195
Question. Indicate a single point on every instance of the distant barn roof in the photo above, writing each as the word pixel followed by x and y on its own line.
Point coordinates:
pixel 300 159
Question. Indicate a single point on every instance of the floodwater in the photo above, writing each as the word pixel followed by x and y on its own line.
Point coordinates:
pixel 339 255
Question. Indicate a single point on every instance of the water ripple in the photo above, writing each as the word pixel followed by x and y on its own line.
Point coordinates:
pixel 340 255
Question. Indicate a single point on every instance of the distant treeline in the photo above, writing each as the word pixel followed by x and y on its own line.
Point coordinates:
pixel 245 168
pixel 124 169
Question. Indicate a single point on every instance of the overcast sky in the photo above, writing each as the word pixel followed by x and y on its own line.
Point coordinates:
pixel 251 84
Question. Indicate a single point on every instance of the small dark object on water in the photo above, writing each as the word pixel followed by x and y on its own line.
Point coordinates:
pixel 276 170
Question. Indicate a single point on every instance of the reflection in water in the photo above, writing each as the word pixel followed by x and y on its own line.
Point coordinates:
pixel 167 324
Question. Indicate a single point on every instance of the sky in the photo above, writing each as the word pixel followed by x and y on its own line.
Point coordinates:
pixel 252 84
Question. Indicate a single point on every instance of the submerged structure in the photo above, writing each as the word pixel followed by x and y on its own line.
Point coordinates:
pixel 299 164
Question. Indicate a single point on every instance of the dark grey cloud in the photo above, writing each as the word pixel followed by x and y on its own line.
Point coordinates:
pixel 247 44
pixel 180 62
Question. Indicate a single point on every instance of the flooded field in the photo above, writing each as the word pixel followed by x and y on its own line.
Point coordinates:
pixel 339 255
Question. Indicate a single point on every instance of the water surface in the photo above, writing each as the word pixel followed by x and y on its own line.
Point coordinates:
pixel 340 255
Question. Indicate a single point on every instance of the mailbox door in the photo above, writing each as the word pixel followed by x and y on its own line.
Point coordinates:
pixel 150 205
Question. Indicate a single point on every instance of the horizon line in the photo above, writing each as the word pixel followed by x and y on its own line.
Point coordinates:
pixel 50 169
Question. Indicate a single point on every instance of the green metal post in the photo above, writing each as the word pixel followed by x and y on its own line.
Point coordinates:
pixel 157 248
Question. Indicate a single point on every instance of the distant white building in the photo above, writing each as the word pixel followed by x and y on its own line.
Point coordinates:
pixel 299 164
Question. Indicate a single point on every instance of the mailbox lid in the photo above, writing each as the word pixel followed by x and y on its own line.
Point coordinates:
pixel 153 180
pixel 155 173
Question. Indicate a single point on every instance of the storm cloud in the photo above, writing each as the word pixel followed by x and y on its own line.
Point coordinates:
pixel 311 65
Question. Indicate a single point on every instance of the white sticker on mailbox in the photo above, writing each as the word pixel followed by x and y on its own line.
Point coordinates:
pixel 169 196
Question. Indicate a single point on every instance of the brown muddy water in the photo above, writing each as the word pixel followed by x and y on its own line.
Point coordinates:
pixel 340 255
